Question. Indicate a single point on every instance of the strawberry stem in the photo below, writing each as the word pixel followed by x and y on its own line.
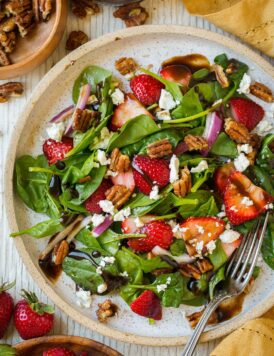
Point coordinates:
pixel 6 286
pixel 35 305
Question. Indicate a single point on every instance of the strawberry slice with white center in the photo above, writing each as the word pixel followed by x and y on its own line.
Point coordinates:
pixel 124 178
pixel 247 112
pixel 197 232
pixel 221 176
pixel 130 108
pixel 132 224
pixel 244 200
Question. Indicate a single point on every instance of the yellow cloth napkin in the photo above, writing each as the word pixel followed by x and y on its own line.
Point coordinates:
pixel 251 20
pixel 255 338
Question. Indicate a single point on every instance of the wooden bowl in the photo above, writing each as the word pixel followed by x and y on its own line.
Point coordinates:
pixel 35 347
pixel 38 45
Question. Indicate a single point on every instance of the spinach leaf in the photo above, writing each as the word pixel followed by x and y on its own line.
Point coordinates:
pixel 201 73
pixel 206 91
pixel 217 278
pixel 133 131
pixel 178 247
pixel 65 199
pixel 224 146
pixel 200 203
pixel 265 158
pixel 222 60
pixel 268 246
pixel 263 179
pixel 200 178
pixel 42 229
pixel 218 257
pixel 190 105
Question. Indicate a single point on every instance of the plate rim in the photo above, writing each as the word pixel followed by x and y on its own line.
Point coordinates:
pixel 35 273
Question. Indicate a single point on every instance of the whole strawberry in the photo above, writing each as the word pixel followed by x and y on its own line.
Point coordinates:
pixel 32 318
pixel 6 307
pixel 58 351
pixel 146 88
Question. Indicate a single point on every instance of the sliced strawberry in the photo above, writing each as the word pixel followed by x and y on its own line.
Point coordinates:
pixel 129 224
pixel 125 178
pixel 159 233
pixel 201 229
pixel 146 88
pixel 176 73
pixel 221 176
pixel 92 203
pixel 147 305
pixel 246 112
pixel 229 248
pixel 244 200
pixel 126 111
pixel 150 171
pixel 55 150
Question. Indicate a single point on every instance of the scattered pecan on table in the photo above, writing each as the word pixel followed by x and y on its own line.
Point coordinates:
pixel 76 39
pixel 106 310
pixel 262 91
pixel 10 89
pixel 236 131
pixel 83 8
pixel 132 14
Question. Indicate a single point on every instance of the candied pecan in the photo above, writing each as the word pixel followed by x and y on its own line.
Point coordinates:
pixel 82 8
pixel 118 195
pixel 84 179
pixel 236 131
pixel 204 265
pixel 4 59
pixel 150 255
pixel 196 143
pixel 82 119
pixel 231 68
pixel 220 75
pixel 45 9
pixel 262 91
pixel 190 270
pixel 8 25
pixel 25 22
pixel 118 162
pixel 10 89
pixel 60 251
pixel 194 318
pixel 15 7
pixel 7 41
pixel 106 310
pixel 126 65
pixel 159 149
pixel 183 185
pixel 76 39
pixel 133 14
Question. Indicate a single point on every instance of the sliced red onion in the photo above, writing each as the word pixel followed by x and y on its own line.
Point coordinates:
pixel 212 129
pixel 63 115
pixel 184 258
pixel 182 147
pixel 69 128
pixel 98 230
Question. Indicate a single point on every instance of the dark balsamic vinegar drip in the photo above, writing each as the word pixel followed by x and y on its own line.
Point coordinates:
pixel 192 61
pixel 230 308
pixel 51 270
pixel 55 186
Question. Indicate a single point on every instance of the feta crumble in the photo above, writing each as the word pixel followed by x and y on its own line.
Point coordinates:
pixel 83 298
pixel 138 222
pixel 241 162
pixel 221 214
pixel 166 100
pixel 269 206
pixel 154 194
pixel 122 214
pixel 233 208
pixel 97 219
pixel 107 206
pixel 56 131
pixel 177 230
pixel 163 115
pixel 174 169
pixel 108 259
pixel 102 288
pixel 244 86
pixel 161 287
pixel 99 270
pixel 246 148
pixel 123 274
pixel 202 166
pixel 200 229
pixel 102 158
pixel 117 97
pixel 211 245
pixel 229 236
pixel 199 247
pixel 247 201
pixel 105 137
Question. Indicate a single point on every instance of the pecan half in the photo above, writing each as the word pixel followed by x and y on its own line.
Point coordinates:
pixel 262 91
pixel 159 148
pixel 10 89
pixel 119 162
pixel 204 265
pixel 126 65
pixel 76 39
pixel 8 25
pixel 45 9
pixel 82 119
pixel 195 317
pixel 183 185
pixel 4 59
pixel 196 143
pixel 236 131
pixel 118 195
pixel 25 22
pixel 15 7
pixel 60 251
pixel 132 14
pixel 7 41
pixel 190 270
pixel 106 310
pixel 82 8
pixel 220 75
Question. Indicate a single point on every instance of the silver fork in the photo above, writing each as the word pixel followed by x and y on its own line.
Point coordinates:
pixel 239 272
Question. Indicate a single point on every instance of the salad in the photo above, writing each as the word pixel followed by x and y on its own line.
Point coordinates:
pixel 149 191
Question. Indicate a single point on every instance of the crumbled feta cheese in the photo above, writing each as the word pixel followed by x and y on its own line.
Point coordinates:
pixel 265 126
pixel 117 97
pixel 105 137
pixel 211 245
pixel 107 206
pixel 229 236
pixel 166 100
pixel 97 219
pixel 246 148
pixel 202 166
pixel 138 222
pixel 247 201
pixel 122 214
pixel 244 85
pixel 233 208
pixel 83 298
pixel 102 288
pixel 154 194
pixel 124 274
pixel 221 214
pixel 241 162
pixel 199 247
pixel 209 234
pixel 177 230
pixel 161 287
pixel 269 206
pixel 56 131
pixel 99 270
pixel 102 158
pixel 200 229
pixel 163 115
pixel 168 280
pixel 108 259
pixel 174 169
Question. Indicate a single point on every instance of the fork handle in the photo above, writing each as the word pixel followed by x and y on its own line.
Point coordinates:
pixel 212 305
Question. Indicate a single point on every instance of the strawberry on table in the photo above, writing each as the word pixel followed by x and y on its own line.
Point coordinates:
pixel 148 305
pixel 32 318
pixel 221 176
pixel 59 351
pixel 146 88
pixel 124 178
pixel 199 231
pixel 177 73
pixel 92 203
pixel 6 307
pixel 244 200
pixel 159 233
pixel 247 112
pixel 55 150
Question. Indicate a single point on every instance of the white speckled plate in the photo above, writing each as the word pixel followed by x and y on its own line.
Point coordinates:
pixel 148 45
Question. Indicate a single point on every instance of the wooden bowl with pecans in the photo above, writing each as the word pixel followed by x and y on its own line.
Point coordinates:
pixel 30 30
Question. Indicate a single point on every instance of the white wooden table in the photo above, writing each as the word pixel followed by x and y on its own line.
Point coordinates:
pixel 11 267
